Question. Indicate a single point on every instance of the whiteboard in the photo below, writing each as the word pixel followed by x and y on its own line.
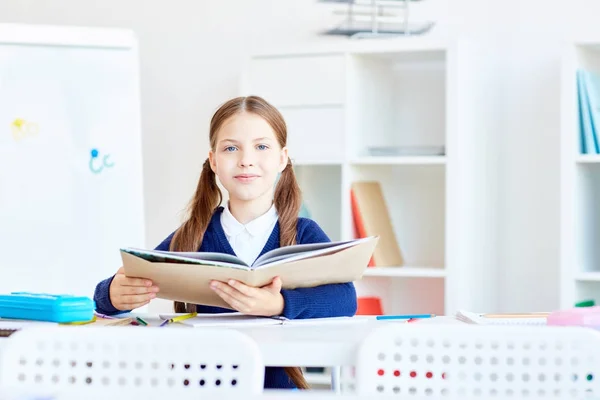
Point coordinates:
pixel 71 187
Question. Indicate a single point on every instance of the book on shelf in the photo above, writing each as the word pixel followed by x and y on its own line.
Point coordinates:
pixel 371 218
pixel 185 276
pixel 359 225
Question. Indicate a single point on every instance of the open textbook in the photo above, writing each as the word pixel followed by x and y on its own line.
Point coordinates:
pixel 185 276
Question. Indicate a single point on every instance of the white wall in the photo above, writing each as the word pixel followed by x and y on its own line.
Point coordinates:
pixel 533 40
pixel 531 36
pixel 190 60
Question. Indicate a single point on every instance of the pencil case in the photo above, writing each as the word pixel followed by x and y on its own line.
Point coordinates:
pixel 46 307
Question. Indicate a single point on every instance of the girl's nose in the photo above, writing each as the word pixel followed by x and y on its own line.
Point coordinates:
pixel 246 160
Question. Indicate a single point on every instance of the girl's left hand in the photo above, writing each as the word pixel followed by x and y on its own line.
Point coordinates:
pixel 265 301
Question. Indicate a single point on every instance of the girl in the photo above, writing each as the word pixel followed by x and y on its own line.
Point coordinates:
pixel 248 151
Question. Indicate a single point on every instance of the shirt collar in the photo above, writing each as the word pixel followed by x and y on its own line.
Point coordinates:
pixel 257 226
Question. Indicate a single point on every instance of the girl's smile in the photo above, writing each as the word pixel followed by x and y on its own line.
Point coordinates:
pixel 246 178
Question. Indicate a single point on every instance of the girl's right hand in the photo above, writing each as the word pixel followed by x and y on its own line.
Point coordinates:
pixel 129 293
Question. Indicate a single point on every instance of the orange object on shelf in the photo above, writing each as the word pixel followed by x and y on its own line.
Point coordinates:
pixel 369 306
pixel 359 225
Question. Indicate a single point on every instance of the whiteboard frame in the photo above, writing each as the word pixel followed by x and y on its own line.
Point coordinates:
pixel 67 36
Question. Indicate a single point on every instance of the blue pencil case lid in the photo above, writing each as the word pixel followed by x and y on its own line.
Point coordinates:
pixel 46 307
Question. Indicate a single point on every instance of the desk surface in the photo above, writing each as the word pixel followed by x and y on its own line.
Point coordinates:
pixel 313 343
pixel 308 343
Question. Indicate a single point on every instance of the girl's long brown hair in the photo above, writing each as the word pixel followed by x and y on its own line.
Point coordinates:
pixel 208 197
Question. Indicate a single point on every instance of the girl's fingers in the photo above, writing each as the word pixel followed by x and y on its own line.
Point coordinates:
pixel 139 290
pixel 246 290
pixel 136 282
pixel 130 299
pixel 232 301
pixel 230 291
pixel 137 305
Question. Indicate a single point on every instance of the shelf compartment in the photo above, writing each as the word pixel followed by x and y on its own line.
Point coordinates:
pixel 415 199
pixel 396 99
pixel 321 193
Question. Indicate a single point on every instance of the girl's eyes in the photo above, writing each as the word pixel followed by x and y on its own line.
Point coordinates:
pixel 233 148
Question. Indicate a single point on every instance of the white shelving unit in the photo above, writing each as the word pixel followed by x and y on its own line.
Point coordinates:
pixel 341 100
pixel 408 160
pixel 406 272
pixel 580 188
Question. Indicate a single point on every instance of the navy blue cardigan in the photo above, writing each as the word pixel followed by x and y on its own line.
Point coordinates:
pixel 333 300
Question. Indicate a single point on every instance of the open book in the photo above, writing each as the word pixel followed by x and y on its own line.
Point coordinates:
pixel 185 276
pixel 274 257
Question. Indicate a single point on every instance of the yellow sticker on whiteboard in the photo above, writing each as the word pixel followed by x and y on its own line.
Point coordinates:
pixel 21 128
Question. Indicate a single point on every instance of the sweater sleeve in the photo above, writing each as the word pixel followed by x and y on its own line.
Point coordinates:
pixel 102 292
pixel 333 300
pixel 102 298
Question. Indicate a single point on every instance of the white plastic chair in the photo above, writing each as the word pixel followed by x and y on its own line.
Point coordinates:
pixel 479 361
pixel 55 360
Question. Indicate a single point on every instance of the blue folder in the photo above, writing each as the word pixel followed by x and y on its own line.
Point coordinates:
pixel 588 87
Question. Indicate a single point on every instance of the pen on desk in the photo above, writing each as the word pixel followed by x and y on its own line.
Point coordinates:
pixel 408 316
pixel 177 319
pixel 104 316
pixel 141 321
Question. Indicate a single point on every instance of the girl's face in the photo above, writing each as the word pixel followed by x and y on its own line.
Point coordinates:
pixel 247 157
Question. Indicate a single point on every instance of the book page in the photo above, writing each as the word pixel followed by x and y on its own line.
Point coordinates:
pixel 202 258
pixel 302 251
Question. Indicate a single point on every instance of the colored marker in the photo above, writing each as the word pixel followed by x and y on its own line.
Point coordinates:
pixel 408 316
pixel 177 319
pixel 104 316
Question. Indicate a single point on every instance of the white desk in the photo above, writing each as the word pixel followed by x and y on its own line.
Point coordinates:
pixel 312 343
pixel 307 343
pixel 318 343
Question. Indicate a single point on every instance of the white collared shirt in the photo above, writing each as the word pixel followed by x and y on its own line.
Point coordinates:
pixel 247 241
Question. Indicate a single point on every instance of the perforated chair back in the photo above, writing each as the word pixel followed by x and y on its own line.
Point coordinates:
pixel 479 361
pixel 79 359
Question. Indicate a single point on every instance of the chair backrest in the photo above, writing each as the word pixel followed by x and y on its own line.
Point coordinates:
pixel 67 359
pixel 479 361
